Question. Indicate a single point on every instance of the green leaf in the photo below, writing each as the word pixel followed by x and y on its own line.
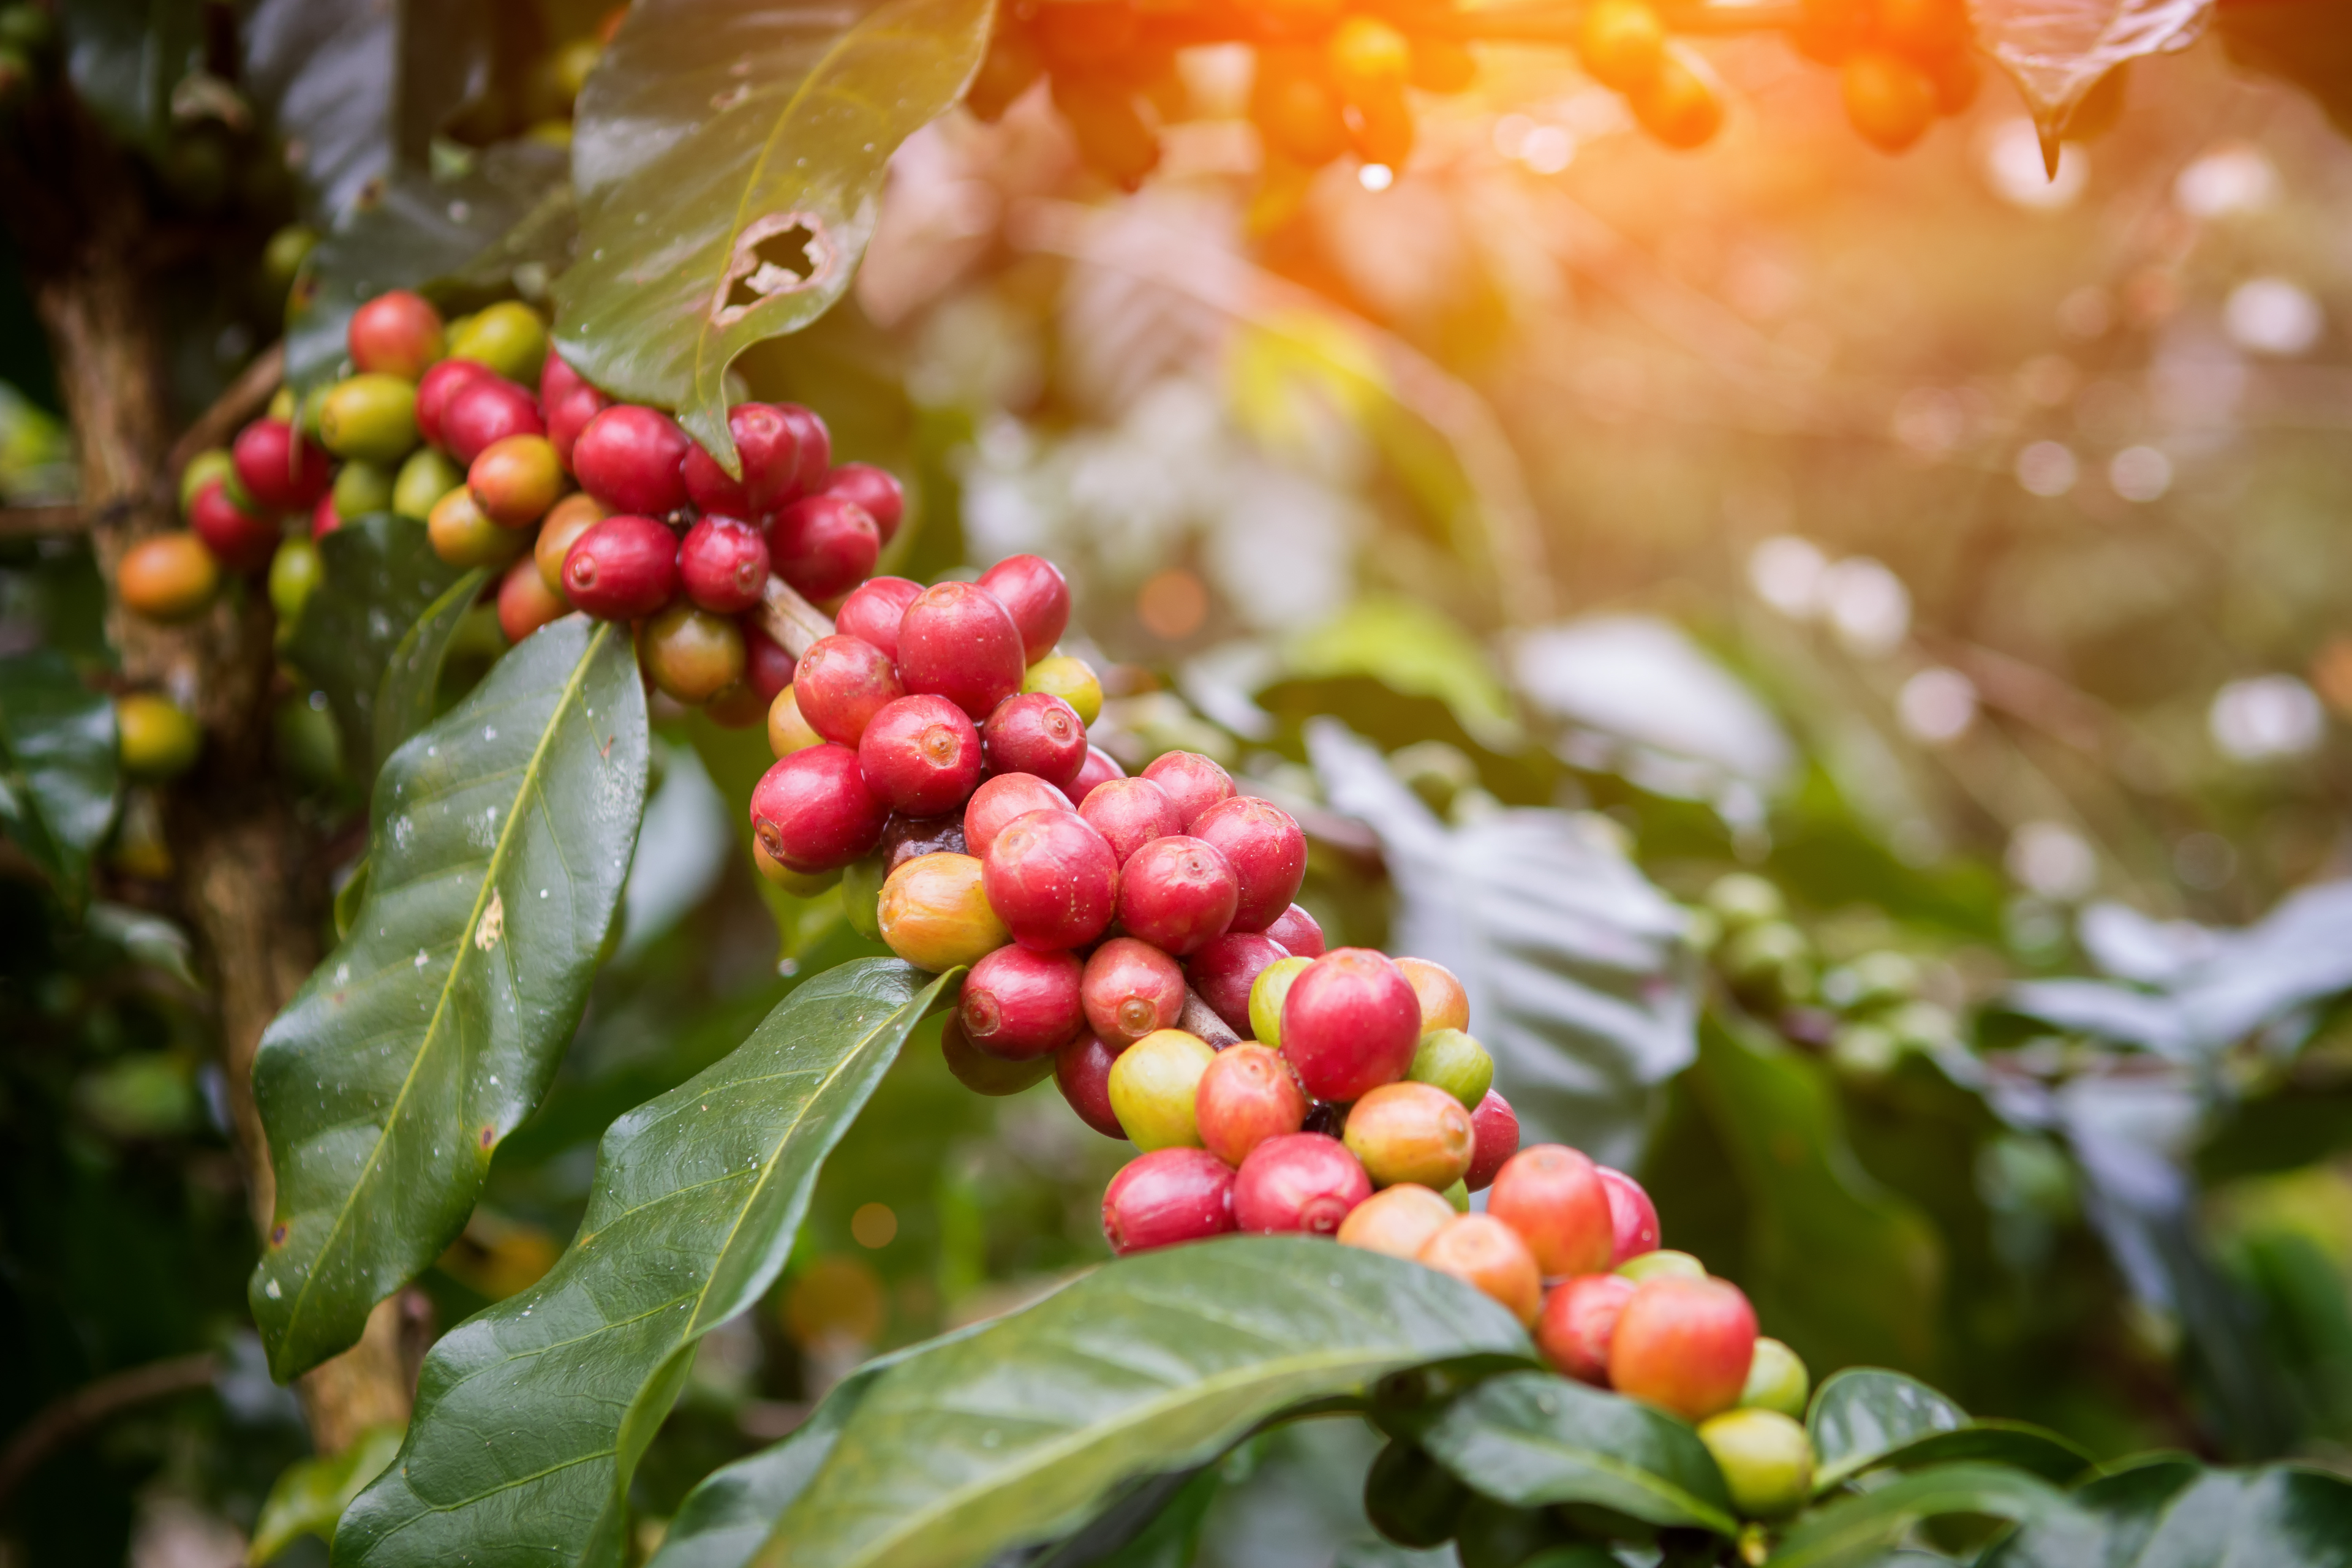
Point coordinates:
pixel 124 58
pixel 1411 648
pixel 501 837
pixel 2058 50
pixel 1855 1529
pixel 1863 1418
pixel 1532 1439
pixel 58 761
pixel 411 682
pixel 531 1416
pixel 2175 1513
pixel 378 578
pixel 708 138
pixel 1025 1429
pixel 311 1494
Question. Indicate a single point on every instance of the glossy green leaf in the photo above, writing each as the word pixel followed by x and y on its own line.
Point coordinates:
pixel 1532 1439
pixel 728 162
pixel 58 765
pixel 1855 1529
pixel 501 838
pixel 406 692
pixel 2058 50
pixel 377 578
pixel 1411 648
pixel 124 58
pixel 1022 1431
pixel 2175 1513
pixel 311 1494
pixel 1863 1418
pixel 531 1416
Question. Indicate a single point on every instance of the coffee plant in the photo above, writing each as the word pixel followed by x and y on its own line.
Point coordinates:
pixel 470 469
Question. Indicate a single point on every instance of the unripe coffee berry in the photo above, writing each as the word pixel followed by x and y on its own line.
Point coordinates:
pixel 168 577
pixel 1050 877
pixel 628 458
pixel 1350 1023
pixel 570 518
pixel 841 684
pixel 436 388
pixel 768 453
pixel 1069 678
pixel 1664 1263
pixel 1022 1004
pixel 1100 768
pixel 1684 1345
pixel 1410 1132
pixel 516 480
pixel 1579 1318
pixel 1632 1218
pixel 214 463
pixel 1038 595
pixel 240 540
pixel 1082 1072
pixel 1129 989
pixel 294 574
pixel 1298 932
pixel 1398 1221
pixel 812 811
pixel 1454 1062
pixel 1036 734
pixel 823 546
pixel 1267 852
pixel 1165 1197
pixel 787 730
pixel 1482 1252
pixel 1177 894
pixel 920 754
pixel 1766 1458
pixel 368 418
pixel 1130 814
pixel 1154 1089
pixel 799 884
pixel 525 603
pixel 1267 993
pixel 1245 1097
pixel 982 1071
pixel 1551 1194
pixel 1444 1004
pixel 1299 1181
pixel 484 410
pixel 957 640
pixel 279 470
pixel 424 478
pixel 1222 971
pixel 873 609
pixel 1497 1130
pixel 621 568
pixel 462 533
pixel 1777 1380
pixel 935 914
pixel 509 337
pixel 395 333
pixel 875 491
pixel 691 654
pixel 361 488
pixel 861 895
pixel 1192 782
pixel 1001 800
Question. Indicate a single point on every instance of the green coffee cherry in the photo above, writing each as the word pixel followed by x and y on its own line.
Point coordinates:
pixel 1453 1061
pixel 1664 1263
pixel 1865 1050
pixel 362 488
pixel 1922 1026
pixel 282 405
pixel 1152 1086
pixel 311 411
pixel 425 478
pixel 307 747
pixel 1874 980
pixel 1742 899
pixel 1769 965
pixel 1765 1459
pixel 294 573
pixel 1071 679
pixel 371 417
pixel 212 463
pixel 283 257
pixel 861 895
pixel 1777 1380
pixel 509 338
pixel 1458 1194
pixel 1267 993
pixel 153 737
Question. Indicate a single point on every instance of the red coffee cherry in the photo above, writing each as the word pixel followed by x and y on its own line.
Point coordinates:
pixel 167 577
pixel 1488 1255
pixel 766 664
pixel 526 603
pixel 1131 989
pixel 873 609
pixel 959 641
pixel 983 1071
pixel 1632 1218
pixel 1036 733
pixel 628 458
pixel 569 415
pixel 1398 1221
pixel 1177 894
pixel 1051 879
pixel 1302 1181
pixel 872 488
pixel 841 684
pixel 1166 1197
pixel 1222 971
pixel 239 540
pixel 486 409
pixel 1038 596
pixel 1552 1196
pixel 1022 1004
pixel 279 470
pixel 723 565
pixel 1002 799
pixel 1082 1072
pixel 1100 768
pixel 1246 1097
pixel 812 811
pixel 558 380
pixel 1130 814
pixel 1194 783
pixel 1350 1023
pixel 396 333
pixel 770 453
pixel 823 546
pixel 622 569
pixel 815 449
pixel 1297 931
pixel 1410 1132
pixel 324 519
pixel 1267 852
pixel 1579 1318
pixel 920 754
pixel 515 479
pixel 1496 1128
pixel 1684 1345
pixel 437 387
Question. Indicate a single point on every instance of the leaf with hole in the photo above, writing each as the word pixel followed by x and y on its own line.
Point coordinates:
pixel 378 581
pixel 58 766
pixel 500 837
pixel 728 162
pixel 1863 1418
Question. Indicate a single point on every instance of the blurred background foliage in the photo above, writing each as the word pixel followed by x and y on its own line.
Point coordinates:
pixel 1850 657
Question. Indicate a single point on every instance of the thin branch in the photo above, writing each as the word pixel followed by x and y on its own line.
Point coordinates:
pixel 42 522
pixel 792 621
pixel 246 396
pixel 69 1416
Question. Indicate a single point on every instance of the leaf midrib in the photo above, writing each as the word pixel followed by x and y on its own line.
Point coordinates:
pixel 441 1003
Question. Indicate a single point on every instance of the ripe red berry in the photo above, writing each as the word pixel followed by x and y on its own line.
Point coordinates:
pixel 1350 1023
pixel 1410 1132
pixel 241 540
pixel 397 333
pixel 622 569
pixel 823 546
pixel 815 445
pixel 1398 1221
pixel 279 470
pixel 516 480
pixel 1301 1181
pixel 1267 852
pixel 526 603
pixel 628 458
pixel 570 414
pixel 1684 1345
pixel 872 488
pixel 1222 971
pixel 841 684
pixel 770 452
pixel 766 664
pixel 1022 1004
pixel 1166 1197
pixel 1082 1072
pixel 1130 814
pixel 1038 596
pixel 1300 936
pixel 437 387
pixel 812 811
pixel 1036 733
pixel 873 609
pixel 1194 783
pixel 486 409
pixel 1050 878
pixel 723 565
pixel 999 801
pixel 1488 1255
pixel 1246 1097
pixel 1177 894
pixel 1579 1318
pixel 1100 768
pixel 1129 989
pixel 1497 1129
pixel 1551 1194
pixel 958 641
pixel 557 380
pixel 324 519
pixel 1632 1218
pixel 920 754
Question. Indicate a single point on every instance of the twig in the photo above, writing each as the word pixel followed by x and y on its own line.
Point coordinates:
pixel 1199 1018
pixel 246 396
pixel 67 1416
pixel 791 620
pixel 42 522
